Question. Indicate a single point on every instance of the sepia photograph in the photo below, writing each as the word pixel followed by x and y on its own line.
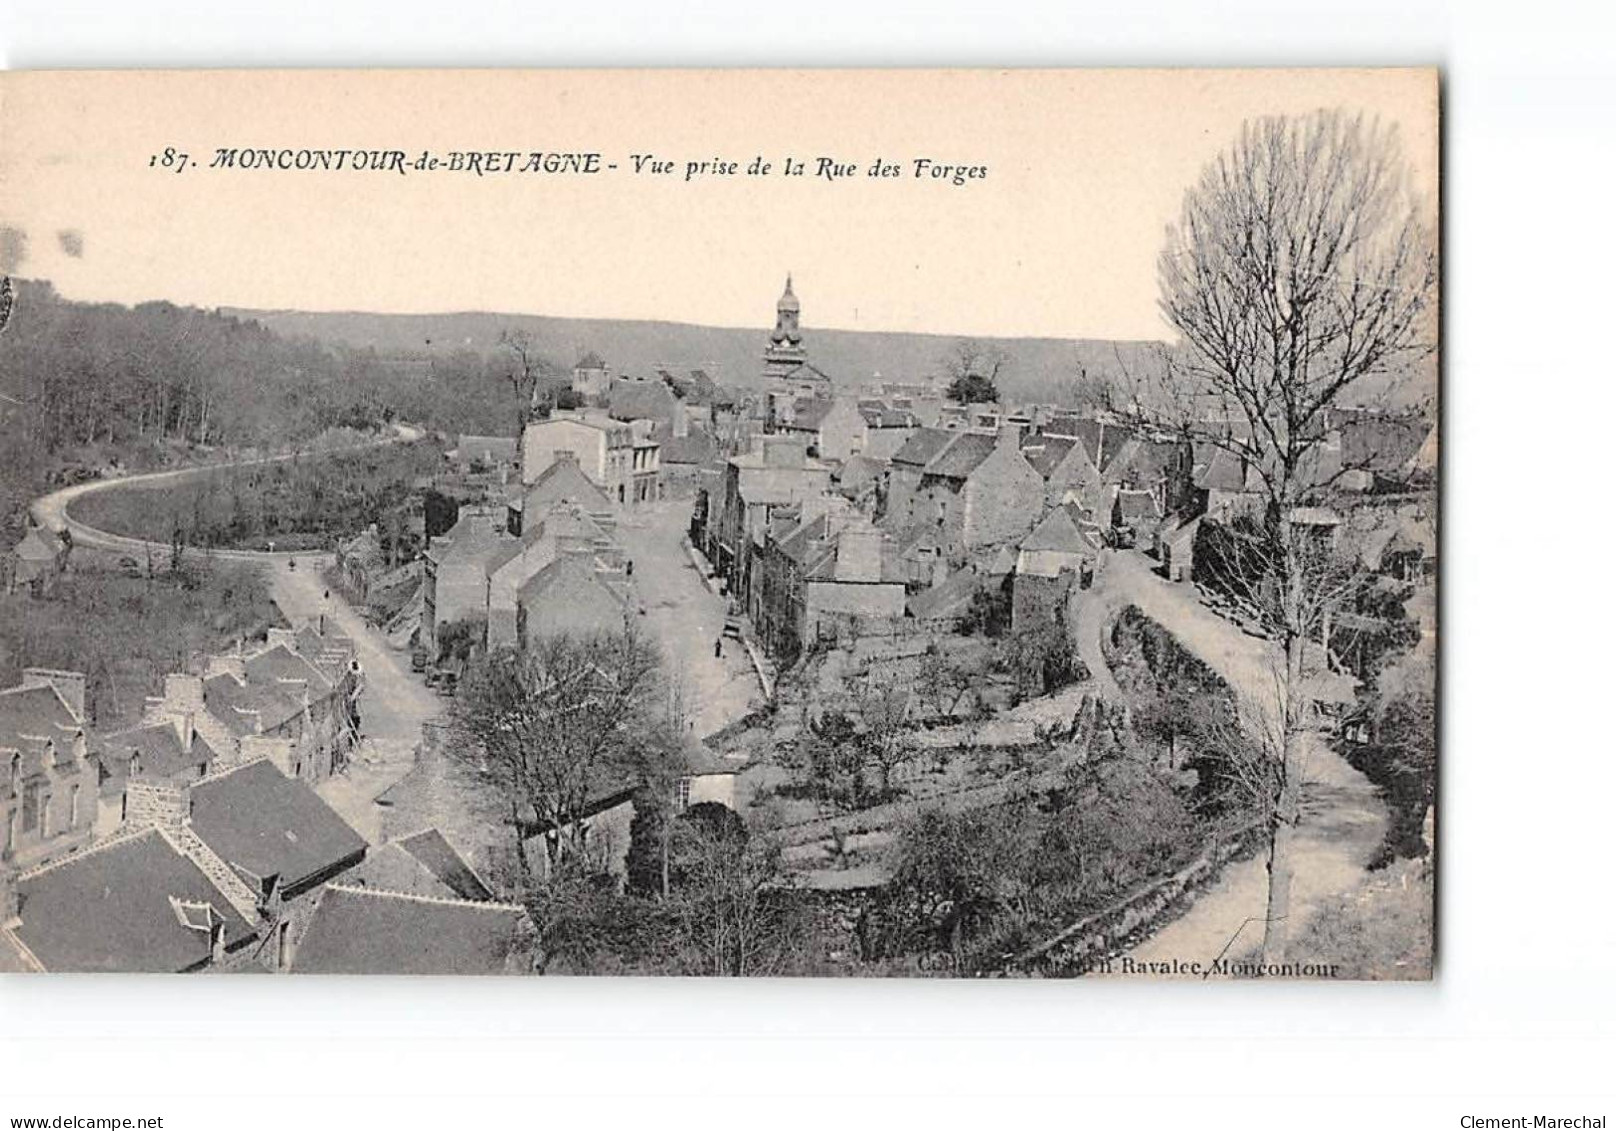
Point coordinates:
pixel 934 524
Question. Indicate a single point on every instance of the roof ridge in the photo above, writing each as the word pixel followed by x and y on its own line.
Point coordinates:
pixel 209 779
pixel 116 840
pixel 449 901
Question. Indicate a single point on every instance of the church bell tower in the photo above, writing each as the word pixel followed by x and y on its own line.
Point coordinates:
pixel 785 352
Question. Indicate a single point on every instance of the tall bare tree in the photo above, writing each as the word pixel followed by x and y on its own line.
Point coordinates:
pixel 1301 279
pixel 556 723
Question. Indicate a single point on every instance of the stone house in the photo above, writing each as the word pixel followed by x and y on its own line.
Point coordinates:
pixel 905 471
pixel 828 575
pixel 886 429
pixel 591 379
pixel 1061 553
pixel 562 482
pixel 571 596
pixel 561 528
pixel 832 427
pixel 273 702
pixel 454 581
pixel 36 562
pixel 48 773
pixel 604 448
pixel 1135 517
pixel 360 560
pixel 777 475
pixel 980 491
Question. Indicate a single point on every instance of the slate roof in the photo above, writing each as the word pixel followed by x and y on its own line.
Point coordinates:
pixel 1046 453
pixel 963 456
pixel 1136 505
pixel 951 597
pixel 568 567
pixel 1377 441
pixel 590 360
pixel 281 663
pixel 919 449
pixel 439 857
pixel 641 400
pixel 37 712
pixel 110 908
pixel 695 448
pixel 249 707
pixel 1058 532
pixel 361 931
pixel 161 754
pixel 565 480
pixel 31 720
pixel 469 539
pixel 1223 472
pixel 265 824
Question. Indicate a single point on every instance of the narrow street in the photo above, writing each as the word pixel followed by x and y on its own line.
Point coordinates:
pixel 392 706
pixel 687 618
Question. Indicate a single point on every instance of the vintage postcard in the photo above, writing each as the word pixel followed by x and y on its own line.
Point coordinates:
pixel 810 523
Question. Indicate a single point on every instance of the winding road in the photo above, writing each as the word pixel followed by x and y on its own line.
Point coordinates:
pixel 393 704
pixel 1343 819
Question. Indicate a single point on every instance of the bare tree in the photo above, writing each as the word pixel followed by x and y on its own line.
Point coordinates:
pixel 1301 279
pixel 883 707
pixel 972 367
pixel 525 368
pixel 556 722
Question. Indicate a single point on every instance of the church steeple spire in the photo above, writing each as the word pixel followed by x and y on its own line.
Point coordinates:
pixel 786 313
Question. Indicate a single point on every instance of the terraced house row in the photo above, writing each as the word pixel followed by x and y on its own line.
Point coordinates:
pixel 195 840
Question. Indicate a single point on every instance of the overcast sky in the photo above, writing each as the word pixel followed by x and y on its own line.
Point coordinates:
pixel 1084 171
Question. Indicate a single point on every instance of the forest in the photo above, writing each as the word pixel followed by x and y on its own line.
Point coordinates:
pixel 157 385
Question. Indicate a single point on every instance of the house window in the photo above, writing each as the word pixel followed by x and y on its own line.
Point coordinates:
pixel 681 795
pixel 283 952
pixel 44 816
pixel 73 808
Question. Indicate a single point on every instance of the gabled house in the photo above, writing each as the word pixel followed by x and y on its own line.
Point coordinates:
pixel 454 583
pixel 905 471
pixel 562 528
pixel 1061 553
pixel 36 562
pixel 571 596
pixel 48 774
pixel 1135 517
pixel 591 379
pixel 980 491
pixel 833 427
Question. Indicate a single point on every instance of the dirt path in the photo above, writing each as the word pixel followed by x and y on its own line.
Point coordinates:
pixel 1343 819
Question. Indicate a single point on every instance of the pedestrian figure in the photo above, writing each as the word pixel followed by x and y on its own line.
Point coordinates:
pixel 718 648
pixel 631 567
pixel 328 594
